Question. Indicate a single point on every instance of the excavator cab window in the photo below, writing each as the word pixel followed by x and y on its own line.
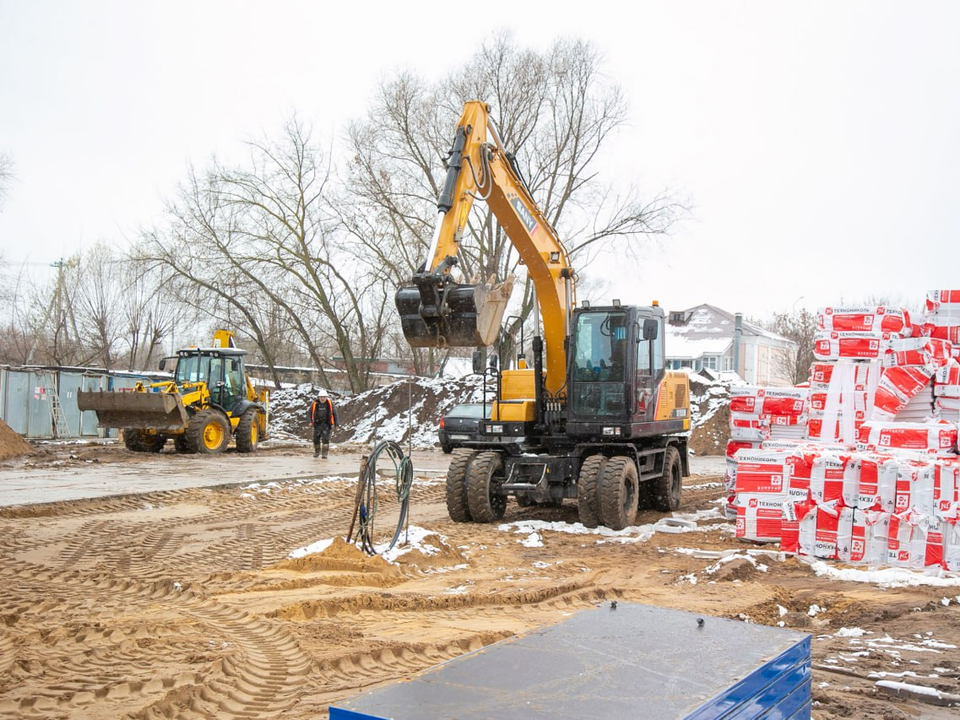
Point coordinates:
pixel 600 363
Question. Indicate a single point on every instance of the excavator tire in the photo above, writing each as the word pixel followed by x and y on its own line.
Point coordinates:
pixel 485 499
pixel 666 488
pixel 208 432
pixel 248 432
pixel 457 507
pixel 588 499
pixel 619 487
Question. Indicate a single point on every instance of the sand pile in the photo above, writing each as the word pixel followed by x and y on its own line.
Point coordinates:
pixel 11 444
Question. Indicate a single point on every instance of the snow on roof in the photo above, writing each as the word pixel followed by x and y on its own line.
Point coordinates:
pixel 710 322
pixel 683 347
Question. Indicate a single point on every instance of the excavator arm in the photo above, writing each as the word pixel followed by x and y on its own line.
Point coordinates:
pixel 436 310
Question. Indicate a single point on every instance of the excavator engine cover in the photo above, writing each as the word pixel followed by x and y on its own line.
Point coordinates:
pixel 142 410
pixel 442 313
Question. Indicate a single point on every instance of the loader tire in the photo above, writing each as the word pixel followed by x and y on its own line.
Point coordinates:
pixel 619 488
pixel 588 497
pixel 457 507
pixel 208 432
pixel 666 488
pixel 248 432
pixel 485 498
pixel 180 444
pixel 132 439
pixel 152 443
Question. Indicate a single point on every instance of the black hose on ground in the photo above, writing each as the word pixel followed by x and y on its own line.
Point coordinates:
pixel 365 510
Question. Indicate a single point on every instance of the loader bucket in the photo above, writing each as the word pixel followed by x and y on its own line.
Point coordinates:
pixel 448 314
pixel 141 410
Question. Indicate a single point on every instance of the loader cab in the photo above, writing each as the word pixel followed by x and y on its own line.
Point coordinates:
pixel 616 364
pixel 220 368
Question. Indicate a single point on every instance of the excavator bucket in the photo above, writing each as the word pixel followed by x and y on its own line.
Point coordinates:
pixel 442 313
pixel 142 410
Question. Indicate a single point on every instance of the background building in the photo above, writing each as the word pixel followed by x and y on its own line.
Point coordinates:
pixel 703 338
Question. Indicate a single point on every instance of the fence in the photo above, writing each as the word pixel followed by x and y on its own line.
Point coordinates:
pixel 41 403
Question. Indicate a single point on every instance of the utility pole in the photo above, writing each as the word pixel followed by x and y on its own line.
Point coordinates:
pixel 58 299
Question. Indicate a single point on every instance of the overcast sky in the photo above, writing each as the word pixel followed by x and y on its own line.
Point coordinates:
pixel 818 142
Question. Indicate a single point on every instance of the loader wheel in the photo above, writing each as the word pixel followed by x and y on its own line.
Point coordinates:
pixel 180 444
pixel 208 432
pixel 248 432
pixel 485 499
pixel 457 486
pixel 152 443
pixel 132 439
pixel 666 488
pixel 588 500
pixel 618 493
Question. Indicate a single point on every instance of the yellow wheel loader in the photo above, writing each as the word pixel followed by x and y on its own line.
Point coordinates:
pixel 209 399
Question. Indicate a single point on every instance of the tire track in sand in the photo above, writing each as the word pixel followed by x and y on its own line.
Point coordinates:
pixel 259 672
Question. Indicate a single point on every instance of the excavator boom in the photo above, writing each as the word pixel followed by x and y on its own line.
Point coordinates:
pixel 435 309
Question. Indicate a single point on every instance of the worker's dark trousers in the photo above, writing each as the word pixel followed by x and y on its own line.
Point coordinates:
pixel 321 440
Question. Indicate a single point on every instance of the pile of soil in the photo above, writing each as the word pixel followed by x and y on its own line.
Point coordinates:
pixel 403 411
pixel 709 415
pixel 11 444
pixel 411 410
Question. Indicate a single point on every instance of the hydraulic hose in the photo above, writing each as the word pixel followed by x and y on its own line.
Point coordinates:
pixel 365 510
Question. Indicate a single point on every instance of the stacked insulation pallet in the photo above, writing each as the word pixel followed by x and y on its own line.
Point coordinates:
pixel 761 415
pixel 876 478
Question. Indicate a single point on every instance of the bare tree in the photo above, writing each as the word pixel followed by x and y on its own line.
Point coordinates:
pixel 257 242
pixel 800 327
pixel 6 175
pixel 555 109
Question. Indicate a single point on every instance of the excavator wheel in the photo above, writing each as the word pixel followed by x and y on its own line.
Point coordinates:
pixel 619 488
pixel 485 499
pixel 248 432
pixel 588 499
pixel 666 489
pixel 457 486
pixel 208 432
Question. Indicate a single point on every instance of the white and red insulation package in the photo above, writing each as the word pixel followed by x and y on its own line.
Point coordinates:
pixel 873 478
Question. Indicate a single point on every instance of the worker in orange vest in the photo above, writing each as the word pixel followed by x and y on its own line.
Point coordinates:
pixel 323 418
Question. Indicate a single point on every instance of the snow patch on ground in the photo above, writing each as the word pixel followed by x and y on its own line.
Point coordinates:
pixel 885 577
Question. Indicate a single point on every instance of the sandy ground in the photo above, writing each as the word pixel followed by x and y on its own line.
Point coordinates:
pixel 182 602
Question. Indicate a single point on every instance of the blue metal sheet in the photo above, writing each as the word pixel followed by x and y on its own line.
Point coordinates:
pixel 39 411
pixel 634 661
pixel 88 418
pixel 756 692
pixel 67 385
pixel 15 401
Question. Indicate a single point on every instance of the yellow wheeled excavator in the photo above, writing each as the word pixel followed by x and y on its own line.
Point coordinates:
pixel 597 418
pixel 209 399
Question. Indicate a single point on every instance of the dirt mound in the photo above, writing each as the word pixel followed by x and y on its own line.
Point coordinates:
pixel 709 415
pixel 402 411
pixel 411 410
pixel 11 444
